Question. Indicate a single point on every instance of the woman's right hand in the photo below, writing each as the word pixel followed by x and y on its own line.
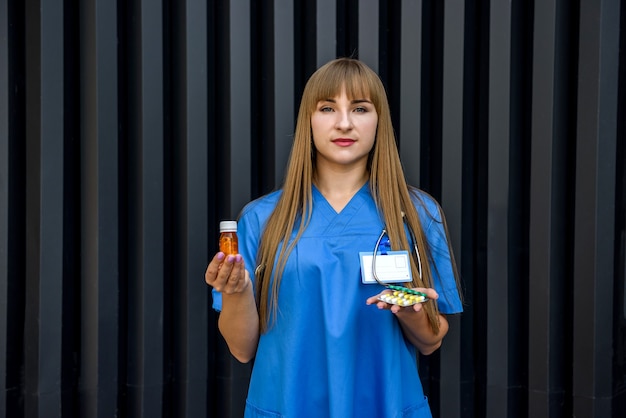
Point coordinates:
pixel 227 274
pixel 238 321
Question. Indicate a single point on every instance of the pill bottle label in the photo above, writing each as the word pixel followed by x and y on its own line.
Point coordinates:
pixel 228 243
pixel 228 237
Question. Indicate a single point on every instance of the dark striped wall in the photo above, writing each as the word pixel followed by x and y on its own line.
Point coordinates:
pixel 128 129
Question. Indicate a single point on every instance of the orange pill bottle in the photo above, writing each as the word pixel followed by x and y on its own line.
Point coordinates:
pixel 228 237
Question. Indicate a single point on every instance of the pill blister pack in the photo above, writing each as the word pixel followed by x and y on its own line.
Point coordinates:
pixel 403 296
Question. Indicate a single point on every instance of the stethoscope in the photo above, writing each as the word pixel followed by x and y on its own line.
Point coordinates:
pixel 383 239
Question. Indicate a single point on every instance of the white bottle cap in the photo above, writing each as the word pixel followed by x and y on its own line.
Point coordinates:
pixel 228 226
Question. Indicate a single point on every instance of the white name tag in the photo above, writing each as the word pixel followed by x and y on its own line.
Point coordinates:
pixel 393 267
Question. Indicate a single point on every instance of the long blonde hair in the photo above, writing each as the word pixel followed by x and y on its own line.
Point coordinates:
pixel 387 185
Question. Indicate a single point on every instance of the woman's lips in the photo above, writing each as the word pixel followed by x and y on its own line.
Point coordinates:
pixel 343 142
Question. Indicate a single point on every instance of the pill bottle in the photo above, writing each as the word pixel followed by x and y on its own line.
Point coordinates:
pixel 228 237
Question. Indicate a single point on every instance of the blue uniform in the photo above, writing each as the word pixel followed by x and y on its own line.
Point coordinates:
pixel 328 354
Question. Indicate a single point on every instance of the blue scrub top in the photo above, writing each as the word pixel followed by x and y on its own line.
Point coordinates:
pixel 328 354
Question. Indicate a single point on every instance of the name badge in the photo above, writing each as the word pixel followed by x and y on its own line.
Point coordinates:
pixel 392 267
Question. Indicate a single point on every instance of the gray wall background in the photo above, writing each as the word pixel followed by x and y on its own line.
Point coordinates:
pixel 128 129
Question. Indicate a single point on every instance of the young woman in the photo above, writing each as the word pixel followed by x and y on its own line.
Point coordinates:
pixel 296 298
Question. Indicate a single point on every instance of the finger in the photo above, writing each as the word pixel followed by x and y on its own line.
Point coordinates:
pixel 417 307
pixel 223 276
pixel 383 305
pixel 235 280
pixel 372 300
pixel 210 276
pixel 429 292
pixel 395 308
pixel 375 299
pixel 244 282
pixel 432 294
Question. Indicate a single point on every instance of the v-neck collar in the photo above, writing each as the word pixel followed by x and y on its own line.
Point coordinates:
pixel 349 209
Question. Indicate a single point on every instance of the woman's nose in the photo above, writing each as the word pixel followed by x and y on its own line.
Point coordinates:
pixel 344 120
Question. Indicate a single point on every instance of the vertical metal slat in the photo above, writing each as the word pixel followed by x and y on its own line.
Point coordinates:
pixel 594 207
pixel 195 315
pixel 497 227
pixel 100 219
pixel 410 93
pixel 452 189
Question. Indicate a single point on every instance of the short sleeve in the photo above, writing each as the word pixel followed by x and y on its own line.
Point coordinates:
pixel 441 263
pixel 249 228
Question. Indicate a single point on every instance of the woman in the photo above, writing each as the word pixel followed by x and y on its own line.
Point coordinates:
pixel 295 298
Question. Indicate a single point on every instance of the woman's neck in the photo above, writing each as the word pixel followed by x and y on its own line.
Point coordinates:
pixel 339 187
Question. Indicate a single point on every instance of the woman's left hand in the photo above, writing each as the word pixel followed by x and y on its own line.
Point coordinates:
pixel 374 300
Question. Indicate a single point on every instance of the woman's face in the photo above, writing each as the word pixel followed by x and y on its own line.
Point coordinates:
pixel 344 131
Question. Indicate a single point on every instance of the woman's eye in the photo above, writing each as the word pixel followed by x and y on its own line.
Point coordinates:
pixel 326 109
pixel 360 110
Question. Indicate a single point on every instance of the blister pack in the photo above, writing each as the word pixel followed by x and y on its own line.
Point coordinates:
pixel 403 296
